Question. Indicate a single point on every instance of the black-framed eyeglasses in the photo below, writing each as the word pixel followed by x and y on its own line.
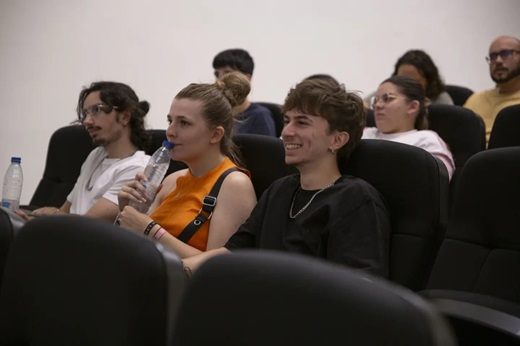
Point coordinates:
pixel 385 98
pixel 503 54
pixel 95 110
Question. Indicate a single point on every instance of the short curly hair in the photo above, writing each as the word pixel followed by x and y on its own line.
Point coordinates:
pixel 342 109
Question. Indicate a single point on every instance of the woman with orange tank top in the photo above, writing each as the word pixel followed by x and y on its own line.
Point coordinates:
pixel 200 124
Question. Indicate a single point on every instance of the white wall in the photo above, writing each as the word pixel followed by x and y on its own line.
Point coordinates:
pixel 49 49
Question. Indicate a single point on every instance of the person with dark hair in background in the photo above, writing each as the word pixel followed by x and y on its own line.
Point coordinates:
pixel 401 115
pixel 504 68
pixel 318 212
pixel 114 117
pixel 417 64
pixel 251 117
pixel 200 129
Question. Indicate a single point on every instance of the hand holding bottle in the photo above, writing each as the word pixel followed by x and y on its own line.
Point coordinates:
pixel 134 192
pixel 150 181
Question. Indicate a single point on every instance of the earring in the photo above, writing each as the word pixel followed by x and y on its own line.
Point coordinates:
pixel 332 151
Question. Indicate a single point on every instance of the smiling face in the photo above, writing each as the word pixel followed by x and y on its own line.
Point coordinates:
pixel 306 138
pixel 189 131
pixel 104 123
pixel 393 112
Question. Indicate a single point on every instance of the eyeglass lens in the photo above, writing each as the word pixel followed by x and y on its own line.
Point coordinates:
pixel 503 54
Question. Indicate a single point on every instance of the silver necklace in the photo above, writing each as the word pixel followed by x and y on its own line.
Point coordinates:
pixel 309 202
pixel 90 187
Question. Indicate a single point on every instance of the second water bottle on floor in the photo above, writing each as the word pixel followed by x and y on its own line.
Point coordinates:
pixel 154 172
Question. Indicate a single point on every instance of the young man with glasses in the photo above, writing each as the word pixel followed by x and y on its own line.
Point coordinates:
pixel 504 68
pixel 114 117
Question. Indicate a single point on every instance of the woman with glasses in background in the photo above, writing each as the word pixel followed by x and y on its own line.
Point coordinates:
pixel 417 64
pixel 401 115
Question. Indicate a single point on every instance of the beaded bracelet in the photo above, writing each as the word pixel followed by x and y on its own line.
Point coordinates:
pixel 159 234
pixel 149 228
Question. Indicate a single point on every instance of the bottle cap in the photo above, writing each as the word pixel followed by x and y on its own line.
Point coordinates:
pixel 167 145
pixel 16 159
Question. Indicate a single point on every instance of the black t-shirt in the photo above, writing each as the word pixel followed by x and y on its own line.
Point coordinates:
pixel 347 223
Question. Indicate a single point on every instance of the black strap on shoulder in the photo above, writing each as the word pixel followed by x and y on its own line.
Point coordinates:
pixel 208 204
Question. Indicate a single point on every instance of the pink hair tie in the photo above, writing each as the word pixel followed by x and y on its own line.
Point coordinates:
pixel 159 233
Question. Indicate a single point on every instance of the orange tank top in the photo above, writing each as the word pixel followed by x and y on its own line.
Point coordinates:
pixel 183 204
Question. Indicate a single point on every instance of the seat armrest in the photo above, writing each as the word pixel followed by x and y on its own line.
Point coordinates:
pixel 483 310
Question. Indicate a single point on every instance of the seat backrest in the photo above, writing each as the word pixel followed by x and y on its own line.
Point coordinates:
pixel 459 94
pixel 415 187
pixel 371 121
pixel 71 280
pixel 276 113
pixel 157 137
pixel 10 224
pixel 461 129
pixel 506 128
pixel 69 146
pixel 481 250
pixel 266 298
pixel 264 157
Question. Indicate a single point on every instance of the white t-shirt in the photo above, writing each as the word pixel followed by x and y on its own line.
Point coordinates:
pixel 103 177
pixel 425 139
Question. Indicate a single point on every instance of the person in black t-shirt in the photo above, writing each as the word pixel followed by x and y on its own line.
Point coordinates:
pixel 318 212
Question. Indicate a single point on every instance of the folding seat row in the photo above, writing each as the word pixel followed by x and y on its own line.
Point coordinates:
pixel 477 255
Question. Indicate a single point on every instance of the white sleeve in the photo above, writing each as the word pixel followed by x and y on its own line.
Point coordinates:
pixel 431 142
pixel 85 169
pixel 121 177
pixel 369 133
pixel 71 195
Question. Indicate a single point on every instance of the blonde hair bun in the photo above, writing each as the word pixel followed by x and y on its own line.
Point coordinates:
pixel 235 87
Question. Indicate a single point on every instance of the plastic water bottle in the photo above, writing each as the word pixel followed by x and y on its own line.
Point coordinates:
pixel 154 172
pixel 13 181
